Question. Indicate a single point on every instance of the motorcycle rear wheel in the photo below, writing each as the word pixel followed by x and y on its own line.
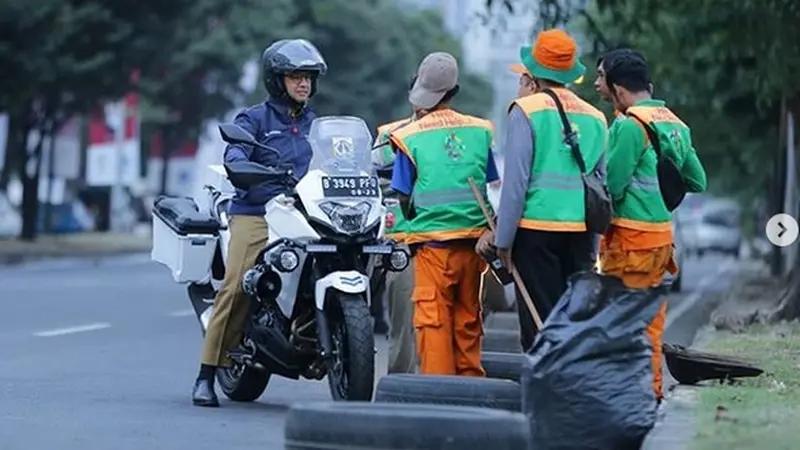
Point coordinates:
pixel 352 374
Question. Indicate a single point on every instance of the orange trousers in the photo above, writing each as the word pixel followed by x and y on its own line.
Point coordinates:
pixel 642 269
pixel 447 310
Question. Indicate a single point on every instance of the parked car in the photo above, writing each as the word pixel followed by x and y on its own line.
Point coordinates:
pixel 694 201
pixel 67 217
pixel 714 226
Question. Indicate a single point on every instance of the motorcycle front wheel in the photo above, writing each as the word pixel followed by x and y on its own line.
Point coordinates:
pixel 242 384
pixel 351 376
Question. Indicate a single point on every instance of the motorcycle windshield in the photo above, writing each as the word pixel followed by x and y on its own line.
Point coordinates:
pixel 342 146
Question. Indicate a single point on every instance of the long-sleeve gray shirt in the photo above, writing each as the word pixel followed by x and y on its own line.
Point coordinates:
pixel 518 161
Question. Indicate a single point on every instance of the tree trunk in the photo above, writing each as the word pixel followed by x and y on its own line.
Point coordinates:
pixel 30 190
pixel 9 163
pixel 17 140
pixel 789 306
pixel 51 169
pixel 168 143
pixel 778 188
pixel 84 148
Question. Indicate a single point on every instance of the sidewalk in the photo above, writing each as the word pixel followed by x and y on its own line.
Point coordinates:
pixel 79 245
pixel 675 428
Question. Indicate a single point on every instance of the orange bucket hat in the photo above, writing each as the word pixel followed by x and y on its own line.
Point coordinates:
pixel 554 56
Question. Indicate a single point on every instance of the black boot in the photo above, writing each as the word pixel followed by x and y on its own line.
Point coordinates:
pixel 203 393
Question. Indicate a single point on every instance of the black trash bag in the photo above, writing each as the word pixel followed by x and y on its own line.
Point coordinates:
pixel 587 381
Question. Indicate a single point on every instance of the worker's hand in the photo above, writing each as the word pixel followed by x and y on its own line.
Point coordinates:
pixel 505 256
pixel 484 246
pixel 390 220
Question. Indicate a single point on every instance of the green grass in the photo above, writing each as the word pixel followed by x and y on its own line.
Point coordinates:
pixel 760 413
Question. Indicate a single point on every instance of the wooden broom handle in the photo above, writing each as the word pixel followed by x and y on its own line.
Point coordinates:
pixel 537 320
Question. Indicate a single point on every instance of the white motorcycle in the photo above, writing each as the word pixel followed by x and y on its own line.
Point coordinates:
pixel 309 288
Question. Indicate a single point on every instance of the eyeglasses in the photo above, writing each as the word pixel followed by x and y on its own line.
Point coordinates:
pixel 299 76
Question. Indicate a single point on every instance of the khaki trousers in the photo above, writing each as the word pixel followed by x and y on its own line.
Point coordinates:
pixel 225 329
pixel 402 346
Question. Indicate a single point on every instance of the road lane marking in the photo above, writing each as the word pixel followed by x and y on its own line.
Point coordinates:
pixel 182 313
pixel 73 330
pixel 691 300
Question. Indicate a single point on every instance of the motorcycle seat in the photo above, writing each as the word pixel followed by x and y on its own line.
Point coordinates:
pixel 183 216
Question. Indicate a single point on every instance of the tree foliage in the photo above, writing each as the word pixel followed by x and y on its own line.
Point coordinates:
pixel 196 73
pixel 727 67
pixel 723 66
pixel 372 56
pixel 62 58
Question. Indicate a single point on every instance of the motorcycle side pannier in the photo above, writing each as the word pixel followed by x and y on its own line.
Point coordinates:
pixel 184 238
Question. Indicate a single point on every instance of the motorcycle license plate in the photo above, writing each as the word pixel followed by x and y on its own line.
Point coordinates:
pixel 344 186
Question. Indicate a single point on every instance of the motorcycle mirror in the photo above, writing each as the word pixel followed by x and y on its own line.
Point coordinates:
pixel 234 134
pixel 245 174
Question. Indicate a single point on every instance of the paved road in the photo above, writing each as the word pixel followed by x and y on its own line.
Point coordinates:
pixel 104 357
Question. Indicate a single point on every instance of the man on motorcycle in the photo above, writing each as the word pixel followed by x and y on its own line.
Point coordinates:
pixel 437 155
pixel 290 69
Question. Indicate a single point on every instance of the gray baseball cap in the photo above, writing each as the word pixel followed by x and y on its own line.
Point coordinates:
pixel 437 74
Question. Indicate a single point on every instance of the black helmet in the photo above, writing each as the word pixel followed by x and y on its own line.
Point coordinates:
pixel 290 55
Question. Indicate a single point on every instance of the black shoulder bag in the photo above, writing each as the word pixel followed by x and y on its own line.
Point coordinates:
pixel 597 201
pixel 670 180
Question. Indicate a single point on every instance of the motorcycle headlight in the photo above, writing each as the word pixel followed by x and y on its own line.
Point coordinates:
pixel 285 260
pixel 346 218
pixel 398 260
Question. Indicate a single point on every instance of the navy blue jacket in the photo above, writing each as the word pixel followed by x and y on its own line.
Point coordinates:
pixel 271 124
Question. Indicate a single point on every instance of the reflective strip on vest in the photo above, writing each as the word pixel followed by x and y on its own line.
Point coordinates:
pixel 427 199
pixel 557 181
pixel 642 183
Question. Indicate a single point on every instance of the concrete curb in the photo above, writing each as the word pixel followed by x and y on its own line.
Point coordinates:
pixel 55 261
pixel 675 428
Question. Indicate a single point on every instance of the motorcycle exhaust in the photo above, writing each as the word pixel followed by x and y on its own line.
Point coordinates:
pixel 262 282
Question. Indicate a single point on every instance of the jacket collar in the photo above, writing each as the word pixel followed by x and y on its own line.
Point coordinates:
pixel 283 112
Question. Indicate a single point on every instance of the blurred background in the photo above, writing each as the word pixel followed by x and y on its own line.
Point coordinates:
pixel 106 104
